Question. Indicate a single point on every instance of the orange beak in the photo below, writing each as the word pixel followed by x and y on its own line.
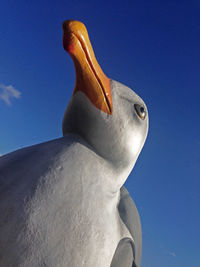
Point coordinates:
pixel 90 78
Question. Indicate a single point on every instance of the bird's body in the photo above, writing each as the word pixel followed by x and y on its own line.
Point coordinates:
pixel 47 195
pixel 62 203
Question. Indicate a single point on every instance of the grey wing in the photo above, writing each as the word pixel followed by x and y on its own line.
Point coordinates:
pixel 129 215
pixel 124 254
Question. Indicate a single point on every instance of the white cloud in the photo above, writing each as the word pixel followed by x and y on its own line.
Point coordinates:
pixel 7 92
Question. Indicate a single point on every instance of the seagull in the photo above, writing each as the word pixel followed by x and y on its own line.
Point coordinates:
pixel 62 202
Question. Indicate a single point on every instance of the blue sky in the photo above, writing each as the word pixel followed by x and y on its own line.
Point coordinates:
pixel 151 46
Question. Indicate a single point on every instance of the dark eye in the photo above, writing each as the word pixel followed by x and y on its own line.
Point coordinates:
pixel 141 112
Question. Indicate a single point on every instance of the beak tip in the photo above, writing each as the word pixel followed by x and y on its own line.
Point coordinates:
pixel 66 24
pixel 73 26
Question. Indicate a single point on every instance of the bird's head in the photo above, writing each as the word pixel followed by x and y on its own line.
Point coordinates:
pixel 111 117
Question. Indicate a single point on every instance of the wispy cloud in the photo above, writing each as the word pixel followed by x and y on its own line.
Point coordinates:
pixel 172 253
pixel 168 252
pixel 7 93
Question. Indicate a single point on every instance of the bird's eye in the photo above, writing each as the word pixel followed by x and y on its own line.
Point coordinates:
pixel 141 112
